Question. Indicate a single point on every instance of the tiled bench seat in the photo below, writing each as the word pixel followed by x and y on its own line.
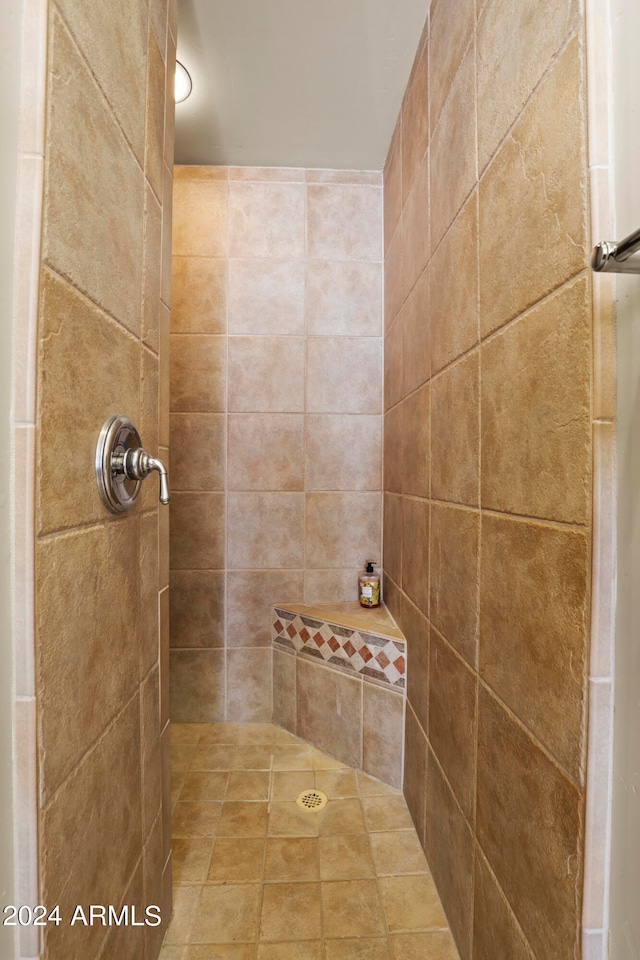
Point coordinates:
pixel 339 682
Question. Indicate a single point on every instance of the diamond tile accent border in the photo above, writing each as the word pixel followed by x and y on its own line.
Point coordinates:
pixel 368 655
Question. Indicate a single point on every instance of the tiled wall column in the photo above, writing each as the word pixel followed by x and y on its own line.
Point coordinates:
pixel 488 452
pixel 276 415
pixel 101 586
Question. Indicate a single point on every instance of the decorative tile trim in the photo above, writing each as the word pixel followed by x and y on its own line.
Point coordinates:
pixel 367 655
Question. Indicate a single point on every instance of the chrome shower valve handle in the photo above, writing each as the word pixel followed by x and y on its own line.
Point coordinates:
pixel 138 464
pixel 122 464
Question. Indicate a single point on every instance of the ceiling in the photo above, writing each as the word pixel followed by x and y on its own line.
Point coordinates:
pixel 294 83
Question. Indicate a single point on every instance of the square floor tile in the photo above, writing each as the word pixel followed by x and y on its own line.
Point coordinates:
pixel 351 908
pixel 291 858
pixel 227 912
pixel 411 903
pixel 241 819
pixel 235 860
pixel 290 910
pixel 346 858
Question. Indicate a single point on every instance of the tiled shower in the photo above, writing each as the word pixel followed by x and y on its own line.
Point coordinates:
pixel 465 404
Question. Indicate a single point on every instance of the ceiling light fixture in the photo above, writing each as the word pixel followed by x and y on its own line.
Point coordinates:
pixel 183 83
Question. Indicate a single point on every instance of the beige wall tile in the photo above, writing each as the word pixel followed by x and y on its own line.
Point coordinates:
pixel 416 442
pixel 249 685
pixel 546 207
pixel 331 586
pixel 197 686
pixel 152 270
pixel 415 771
pixel 154 131
pixel 455 432
pixel 266 374
pixel 603 600
pixel 342 529
pixel 452 27
pixel 534 849
pixel 26 813
pixel 515 47
pixel 164 376
pixel 88 163
pixel 416 336
pixel 392 436
pixel 538 466
pixel 344 298
pixel 394 276
pixel 197 531
pixel 597 824
pixel 382 734
pixel 167 233
pixel 392 192
pixel 148 566
pixel 330 711
pixel 392 537
pixel 151 757
pixel 344 222
pixel 265 530
pixel 114 41
pixel 452 732
pixel 284 690
pixel 198 449
pixel 198 295
pixel 266 219
pixel 158 10
pixel 197 608
pixel 449 849
pixel 343 452
pixel 415 120
pixel 90 659
pixel 200 172
pixel 453 166
pixel 73 871
pixel 416 224
pixel 163 604
pixel 453 274
pixel 393 360
pixel 197 373
pixel 371 178
pixel 200 218
pixel 495 928
pixel 343 375
pixel 454 552
pixel 533 602
pixel 92 366
pixel 266 297
pixel 415 627
pixel 277 174
pixel 266 451
pixel 28 214
pixel 170 111
pixel 415 551
pixel 251 595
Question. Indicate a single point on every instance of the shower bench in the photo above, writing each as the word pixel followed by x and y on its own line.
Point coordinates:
pixel 339 682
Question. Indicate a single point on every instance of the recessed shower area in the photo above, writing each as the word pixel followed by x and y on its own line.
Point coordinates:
pixel 405 359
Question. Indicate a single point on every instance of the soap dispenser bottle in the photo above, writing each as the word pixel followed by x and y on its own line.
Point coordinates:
pixel 370 586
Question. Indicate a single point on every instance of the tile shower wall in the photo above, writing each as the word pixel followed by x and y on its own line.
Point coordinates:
pixel 276 416
pixel 488 450
pixel 101 586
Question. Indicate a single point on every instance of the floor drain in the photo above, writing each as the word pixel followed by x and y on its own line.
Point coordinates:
pixel 312 800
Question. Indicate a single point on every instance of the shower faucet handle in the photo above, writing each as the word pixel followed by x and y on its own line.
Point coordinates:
pixel 122 464
pixel 138 464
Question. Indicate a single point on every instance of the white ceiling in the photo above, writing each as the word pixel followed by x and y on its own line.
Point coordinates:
pixel 295 83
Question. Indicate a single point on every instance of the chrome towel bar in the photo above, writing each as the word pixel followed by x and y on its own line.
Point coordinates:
pixel 610 257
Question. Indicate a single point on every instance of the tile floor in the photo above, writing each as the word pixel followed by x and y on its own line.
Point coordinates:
pixel 257 878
